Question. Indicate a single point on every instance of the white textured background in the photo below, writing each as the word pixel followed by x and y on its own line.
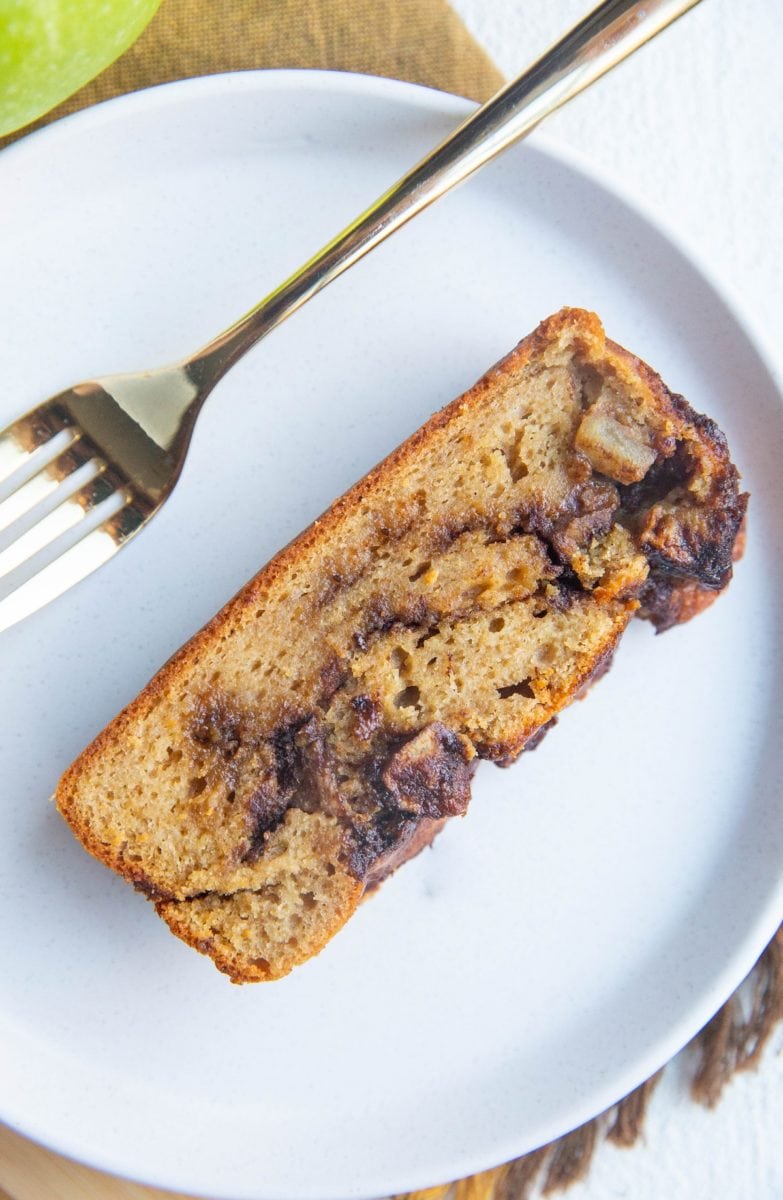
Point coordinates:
pixel 694 125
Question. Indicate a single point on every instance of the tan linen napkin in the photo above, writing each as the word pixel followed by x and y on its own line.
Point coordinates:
pixel 425 42
pixel 422 41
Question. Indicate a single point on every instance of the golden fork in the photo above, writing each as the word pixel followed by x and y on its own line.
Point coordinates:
pixel 113 448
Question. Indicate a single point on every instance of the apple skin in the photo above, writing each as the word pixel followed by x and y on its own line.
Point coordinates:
pixel 51 48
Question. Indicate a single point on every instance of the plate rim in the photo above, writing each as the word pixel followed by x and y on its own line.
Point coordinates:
pixel 738 310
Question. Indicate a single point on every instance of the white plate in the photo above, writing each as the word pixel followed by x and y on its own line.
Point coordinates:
pixel 602 898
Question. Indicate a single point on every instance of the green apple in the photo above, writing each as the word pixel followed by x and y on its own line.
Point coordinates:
pixel 50 48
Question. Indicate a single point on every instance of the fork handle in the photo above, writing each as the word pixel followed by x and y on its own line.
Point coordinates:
pixel 597 43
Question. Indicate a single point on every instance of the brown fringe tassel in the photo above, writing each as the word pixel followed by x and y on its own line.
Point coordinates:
pixel 571 1157
pixel 520 1176
pixel 630 1113
pixel 732 1041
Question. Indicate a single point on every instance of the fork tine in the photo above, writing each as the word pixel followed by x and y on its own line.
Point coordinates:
pixel 12 455
pixel 21 440
pixel 46 481
pixel 75 564
pixel 65 516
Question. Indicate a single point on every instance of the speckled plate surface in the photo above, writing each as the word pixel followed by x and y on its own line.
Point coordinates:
pixel 602 898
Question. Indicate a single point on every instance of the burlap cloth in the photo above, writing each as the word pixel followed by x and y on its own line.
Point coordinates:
pixel 425 42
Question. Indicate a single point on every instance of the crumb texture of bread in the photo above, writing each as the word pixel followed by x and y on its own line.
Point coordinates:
pixel 325 724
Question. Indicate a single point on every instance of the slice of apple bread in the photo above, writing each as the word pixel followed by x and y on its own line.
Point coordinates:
pixel 323 726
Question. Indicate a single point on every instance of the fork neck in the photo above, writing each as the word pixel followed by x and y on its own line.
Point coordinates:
pixel 599 42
